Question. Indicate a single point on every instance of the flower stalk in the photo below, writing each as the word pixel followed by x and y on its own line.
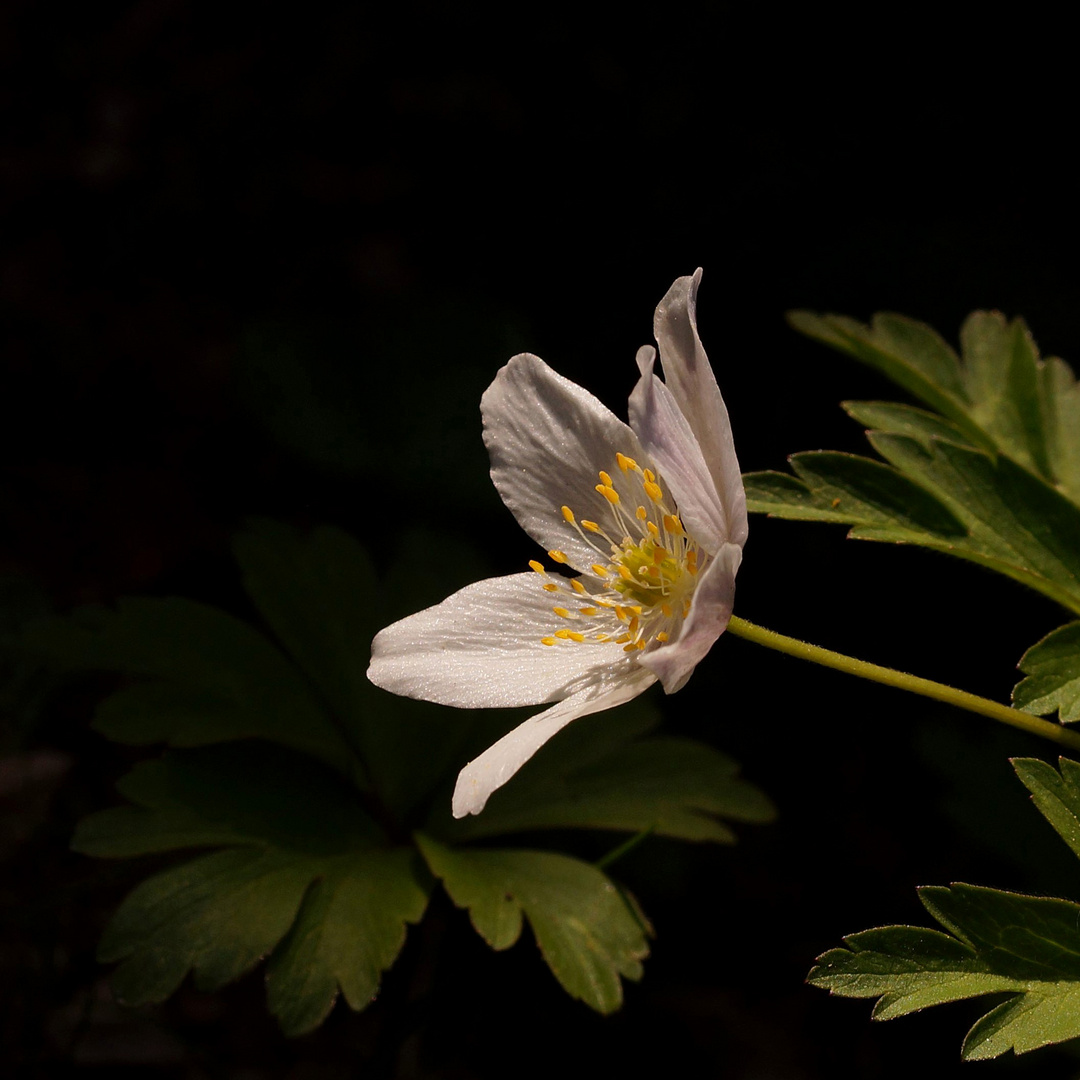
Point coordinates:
pixel 1034 725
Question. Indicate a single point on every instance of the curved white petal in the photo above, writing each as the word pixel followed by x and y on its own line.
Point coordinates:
pixel 481 648
pixel 499 762
pixel 714 597
pixel 548 438
pixel 690 379
pixel 668 440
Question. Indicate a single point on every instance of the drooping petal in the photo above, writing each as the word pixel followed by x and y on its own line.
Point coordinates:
pixel 499 762
pixel 666 436
pixel 481 648
pixel 692 383
pixel 548 438
pixel 713 599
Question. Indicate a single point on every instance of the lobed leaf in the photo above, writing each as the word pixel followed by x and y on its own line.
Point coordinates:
pixel 306 878
pixel 218 679
pixel 1055 794
pixel 1052 670
pixel 590 935
pixel 999 942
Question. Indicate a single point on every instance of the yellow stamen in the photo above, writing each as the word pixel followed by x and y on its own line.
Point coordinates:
pixel 600 571
pixel 666 609
pixel 547 641
pixel 662 636
pixel 642 513
pixel 558 556
pixel 577 586
pixel 659 554
pixel 629 648
pixel 568 514
pixel 633 625
pixel 602 637
pixel 654 532
pixel 551 587
pixel 624 573
pixel 622 640
pixel 537 566
pixel 573 635
pixel 625 462
pixel 590 525
pixel 673 525
pixel 620 613
pixel 653 491
pixel 561 612
pixel 606 477
pixel 650 476
pixel 588 611
pixel 564 634
pixel 609 493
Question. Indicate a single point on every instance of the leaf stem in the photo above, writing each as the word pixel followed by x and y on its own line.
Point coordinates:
pixel 903 681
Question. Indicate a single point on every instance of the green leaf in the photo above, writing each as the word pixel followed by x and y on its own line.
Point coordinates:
pixel 1056 794
pixel 589 933
pixel 938 494
pixel 999 942
pixel 306 877
pixel 1052 667
pixel 220 680
pixel 998 393
pixel 600 774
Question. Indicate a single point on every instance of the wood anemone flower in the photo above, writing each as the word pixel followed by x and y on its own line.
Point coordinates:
pixel 651 517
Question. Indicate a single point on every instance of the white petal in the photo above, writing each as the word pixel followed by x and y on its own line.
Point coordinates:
pixel 499 762
pixel 548 439
pixel 668 440
pixel 691 380
pixel 673 664
pixel 481 648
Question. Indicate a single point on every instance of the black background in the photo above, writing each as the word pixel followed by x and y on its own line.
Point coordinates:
pixel 260 264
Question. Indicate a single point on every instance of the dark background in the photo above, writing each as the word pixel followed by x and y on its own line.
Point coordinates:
pixel 266 265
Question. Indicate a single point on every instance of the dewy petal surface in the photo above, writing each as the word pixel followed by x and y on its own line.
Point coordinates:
pixel 499 762
pixel 666 436
pixel 708 619
pixel 690 379
pixel 481 648
pixel 547 438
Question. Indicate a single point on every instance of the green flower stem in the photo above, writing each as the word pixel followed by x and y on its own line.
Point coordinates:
pixel 900 679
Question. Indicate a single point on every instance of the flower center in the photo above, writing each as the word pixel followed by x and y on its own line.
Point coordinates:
pixel 645 574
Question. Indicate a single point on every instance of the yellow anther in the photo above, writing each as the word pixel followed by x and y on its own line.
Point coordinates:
pixel 568 514
pixel 624 573
pixel 654 532
pixel 588 611
pixel 561 612
pixel 640 644
pixel 558 556
pixel 659 554
pixel 609 493
pixel 551 587
pixel 547 641
pixel 642 513
pixel 662 636
pixel 686 607
pixel 673 525
pixel 600 571
pixel 620 613
pixel 564 634
pixel 653 491
pixel 630 648
pixel 590 525
pixel 606 478
pixel 666 609
pixel 622 639
pixel 602 637
pixel 578 587
pixel 625 462
pixel 537 566
pixel 635 608
pixel 633 625
pixel 573 635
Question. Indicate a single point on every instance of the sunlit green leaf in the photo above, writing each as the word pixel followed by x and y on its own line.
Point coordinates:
pixel 1052 667
pixel 589 933
pixel 997 942
pixel 1056 794
pixel 304 875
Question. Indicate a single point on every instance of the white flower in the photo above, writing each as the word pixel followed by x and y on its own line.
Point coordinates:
pixel 652 517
